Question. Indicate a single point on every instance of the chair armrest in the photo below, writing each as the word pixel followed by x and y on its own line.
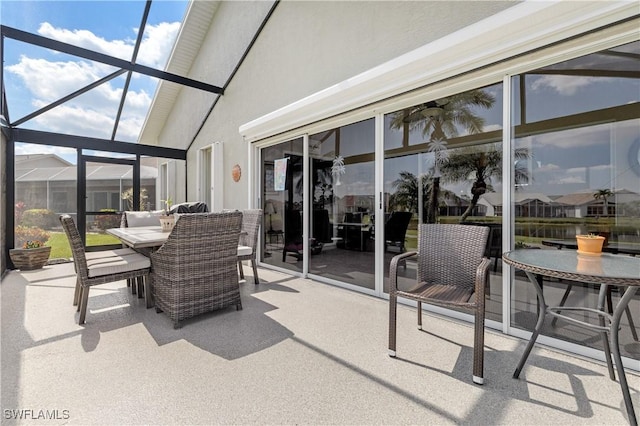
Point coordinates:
pixel 482 275
pixel 393 268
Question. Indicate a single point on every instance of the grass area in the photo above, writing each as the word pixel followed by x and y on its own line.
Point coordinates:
pixel 60 245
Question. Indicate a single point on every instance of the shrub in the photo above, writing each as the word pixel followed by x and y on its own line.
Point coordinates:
pixel 40 218
pixel 105 221
pixel 27 233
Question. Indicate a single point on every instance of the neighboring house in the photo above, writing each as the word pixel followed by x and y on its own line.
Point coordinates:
pixel 49 182
pixel 526 204
pixel 584 204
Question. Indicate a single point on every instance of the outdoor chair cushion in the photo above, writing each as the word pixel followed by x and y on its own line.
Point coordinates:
pixel 109 253
pixel 245 251
pixel 135 219
pixel 118 264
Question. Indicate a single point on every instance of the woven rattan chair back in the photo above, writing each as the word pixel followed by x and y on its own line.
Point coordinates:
pixel 449 254
pixel 251 222
pixel 77 247
pixel 194 271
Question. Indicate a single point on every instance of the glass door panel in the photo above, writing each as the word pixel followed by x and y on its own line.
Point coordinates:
pixel 583 177
pixel 442 161
pixel 282 198
pixel 342 204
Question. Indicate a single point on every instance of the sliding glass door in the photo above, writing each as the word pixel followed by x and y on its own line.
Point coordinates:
pixel 442 161
pixel 282 203
pixel 342 207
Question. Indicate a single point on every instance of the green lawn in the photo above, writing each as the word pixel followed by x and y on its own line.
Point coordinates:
pixel 60 245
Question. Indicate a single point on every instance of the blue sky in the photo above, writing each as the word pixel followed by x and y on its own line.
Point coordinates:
pixel 35 77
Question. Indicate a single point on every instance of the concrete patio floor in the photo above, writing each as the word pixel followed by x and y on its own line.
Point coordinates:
pixel 300 352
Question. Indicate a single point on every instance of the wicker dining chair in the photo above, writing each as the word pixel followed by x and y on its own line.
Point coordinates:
pixel 251 220
pixel 100 270
pixel 452 272
pixel 194 271
pixel 94 255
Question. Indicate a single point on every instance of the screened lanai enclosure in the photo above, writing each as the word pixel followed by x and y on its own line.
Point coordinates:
pixel 537 139
pixel 93 172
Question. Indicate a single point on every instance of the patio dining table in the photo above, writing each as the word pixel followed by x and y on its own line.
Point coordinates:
pixel 151 237
pixel 140 236
pixel 148 237
pixel 605 270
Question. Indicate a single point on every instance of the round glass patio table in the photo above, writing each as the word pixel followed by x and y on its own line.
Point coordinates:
pixel 605 269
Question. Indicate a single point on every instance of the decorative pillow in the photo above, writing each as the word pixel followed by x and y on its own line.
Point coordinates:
pixel 135 219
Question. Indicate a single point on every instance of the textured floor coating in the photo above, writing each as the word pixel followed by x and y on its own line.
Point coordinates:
pixel 300 352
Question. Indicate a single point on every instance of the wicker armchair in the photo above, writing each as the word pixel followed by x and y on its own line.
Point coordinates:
pixel 100 270
pixel 452 272
pixel 251 220
pixel 194 271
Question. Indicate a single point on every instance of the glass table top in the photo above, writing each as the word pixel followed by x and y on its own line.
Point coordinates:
pixel 570 262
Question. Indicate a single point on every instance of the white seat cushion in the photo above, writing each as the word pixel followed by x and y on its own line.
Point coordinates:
pixel 135 219
pixel 109 253
pixel 244 250
pixel 117 264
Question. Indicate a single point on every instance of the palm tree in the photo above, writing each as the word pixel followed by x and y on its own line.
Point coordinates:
pixel 406 195
pixel 603 194
pixel 407 189
pixel 439 121
pixel 483 162
pixel 440 118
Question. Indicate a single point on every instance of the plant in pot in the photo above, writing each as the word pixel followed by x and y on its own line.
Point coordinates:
pixel 167 221
pixel 33 255
pixel 590 244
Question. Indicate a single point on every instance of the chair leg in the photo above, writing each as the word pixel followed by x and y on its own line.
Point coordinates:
pixel 392 324
pixel 419 315
pixel 84 300
pixel 240 270
pixel 239 306
pixel 76 294
pixel 80 293
pixel 148 297
pixel 254 264
pixel 478 348
pixel 139 281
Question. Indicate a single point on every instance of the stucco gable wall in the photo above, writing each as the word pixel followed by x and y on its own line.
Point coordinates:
pixel 305 47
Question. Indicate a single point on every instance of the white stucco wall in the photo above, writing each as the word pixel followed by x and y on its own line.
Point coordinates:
pixel 305 47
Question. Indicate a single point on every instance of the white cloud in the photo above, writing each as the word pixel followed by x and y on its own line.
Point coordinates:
pixel 28 148
pixel 83 38
pixel 157 44
pixel 49 81
pixel 93 113
pixel 77 121
pixel 154 51
pixel 563 84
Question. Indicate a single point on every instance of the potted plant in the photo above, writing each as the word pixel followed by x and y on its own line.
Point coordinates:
pixel 167 221
pixel 590 244
pixel 33 255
